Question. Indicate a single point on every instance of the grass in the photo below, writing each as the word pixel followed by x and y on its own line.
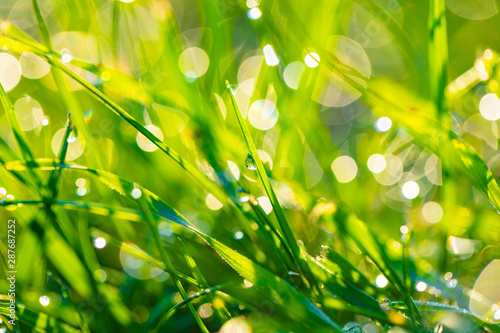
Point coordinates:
pixel 168 203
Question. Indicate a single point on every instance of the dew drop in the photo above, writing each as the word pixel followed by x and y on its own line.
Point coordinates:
pixel 438 328
pixel 250 162
pixel 72 137
pixel 385 304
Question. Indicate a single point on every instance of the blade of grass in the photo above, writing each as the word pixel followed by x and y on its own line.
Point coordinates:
pixel 351 226
pixel 188 301
pixel 152 222
pixel 221 312
pixel 38 321
pixel 438 54
pixel 116 306
pixel 289 239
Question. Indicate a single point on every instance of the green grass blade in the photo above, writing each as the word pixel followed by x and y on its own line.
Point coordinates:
pixel 438 54
pixel 67 262
pixel 188 300
pixel 289 238
pixel 351 226
pixel 56 172
pixel 152 222
pixel 38 321
pixel 222 313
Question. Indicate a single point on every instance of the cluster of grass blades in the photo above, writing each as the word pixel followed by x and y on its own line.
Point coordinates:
pixel 136 251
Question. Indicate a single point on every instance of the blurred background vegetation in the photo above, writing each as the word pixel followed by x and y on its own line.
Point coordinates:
pixel 381 111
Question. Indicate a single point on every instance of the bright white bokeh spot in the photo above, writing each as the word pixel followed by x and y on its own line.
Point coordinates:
pixel 3 191
pixel 45 121
pixel 404 230
pixel 76 145
pixel 496 315
pixel 263 114
pixel 136 193
pixel 44 300
pixel 144 143
pixel 410 190
pixel 247 284
pixel 383 124
pixel 381 281
pixel 312 60
pixel 236 325
pixel 238 235
pixel 81 191
pixel 488 55
pixel 344 168
pixel 10 71
pixel 266 204
pixel 212 202
pixel 270 56
pixel 293 74
pixel 376 163
pixel 252 3
pixel 80 182
pixel 32 66
pixel 66 55
pixel 254 13
pixel 127 1
pixel 29 112
pixel 489 106
pixel 100 243
pixel 432 212
pixel 235 171
pixel 421 286
pixel 193 62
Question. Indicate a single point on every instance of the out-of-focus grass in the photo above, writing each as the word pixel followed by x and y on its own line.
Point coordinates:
pixel 251 166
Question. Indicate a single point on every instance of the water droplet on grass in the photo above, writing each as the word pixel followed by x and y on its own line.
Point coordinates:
pixel 250 162
pixel 438 328
pixel 385 304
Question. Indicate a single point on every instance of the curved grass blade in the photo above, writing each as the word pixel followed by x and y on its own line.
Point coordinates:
pixel 152 222
pixel 222 312
pixel 38 321
pixel 434 306
pixel 188 300
pixel 350 225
